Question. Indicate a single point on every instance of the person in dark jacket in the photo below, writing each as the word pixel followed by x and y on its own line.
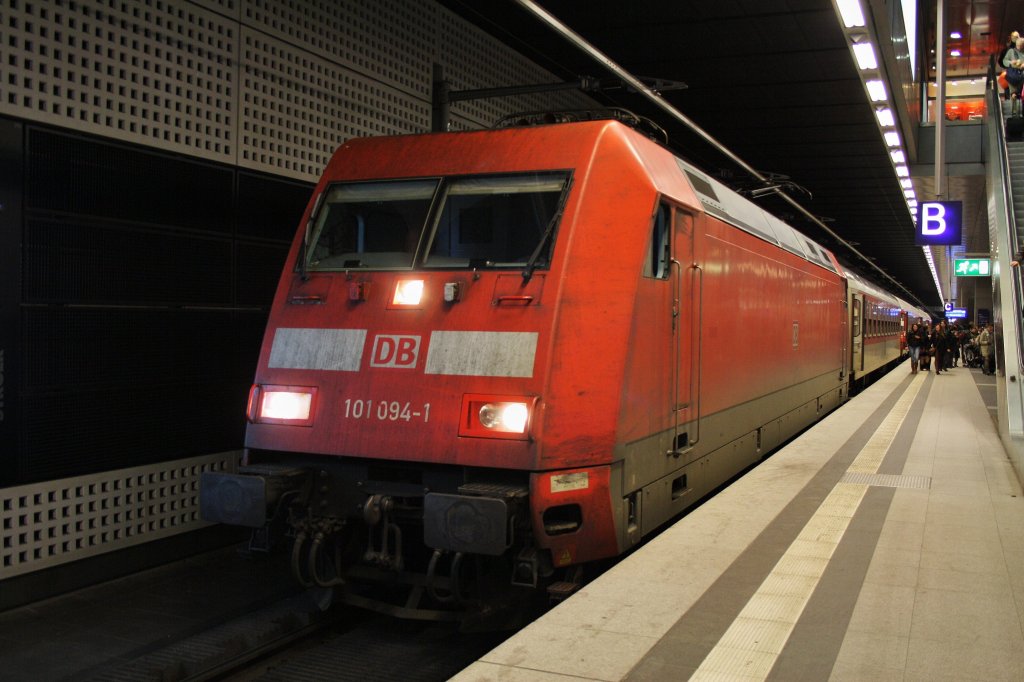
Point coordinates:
pixel 939 346
pixel 915 339
pixel 924 359
pixel 953 346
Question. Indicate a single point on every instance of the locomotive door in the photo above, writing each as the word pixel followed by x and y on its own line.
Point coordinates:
pixel 687 281
pixel 857 335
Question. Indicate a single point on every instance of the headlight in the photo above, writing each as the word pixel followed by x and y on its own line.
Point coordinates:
pixel 281 405
pixel 509 417
pixel 489 416
pixel 408 292
pixel 286 405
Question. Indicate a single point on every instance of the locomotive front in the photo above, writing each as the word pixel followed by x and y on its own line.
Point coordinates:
pixel 393 427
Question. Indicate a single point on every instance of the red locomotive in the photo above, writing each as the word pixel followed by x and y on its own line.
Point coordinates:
pixel 495 355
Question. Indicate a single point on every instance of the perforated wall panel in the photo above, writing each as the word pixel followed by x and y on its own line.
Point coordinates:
pixel 54 522
pixel 270 85
pixel 156 73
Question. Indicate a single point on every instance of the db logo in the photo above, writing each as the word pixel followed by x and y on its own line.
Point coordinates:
pixel 395 351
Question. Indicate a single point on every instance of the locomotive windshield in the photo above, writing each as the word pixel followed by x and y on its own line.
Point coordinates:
pixel 501 221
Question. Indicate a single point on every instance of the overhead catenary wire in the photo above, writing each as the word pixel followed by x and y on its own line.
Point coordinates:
pixel 655 98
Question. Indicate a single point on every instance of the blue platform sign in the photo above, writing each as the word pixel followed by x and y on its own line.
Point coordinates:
pixel 956 313
pixel 939 223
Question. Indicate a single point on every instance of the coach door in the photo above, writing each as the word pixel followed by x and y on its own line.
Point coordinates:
pixel 857 334
pixel 687 282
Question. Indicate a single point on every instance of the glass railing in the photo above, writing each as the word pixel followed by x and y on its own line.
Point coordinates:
pixel 1004 205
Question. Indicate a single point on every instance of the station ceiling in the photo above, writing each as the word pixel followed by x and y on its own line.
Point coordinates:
pixel 774 81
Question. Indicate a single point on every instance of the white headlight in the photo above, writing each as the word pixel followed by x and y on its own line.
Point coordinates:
pixel 510 417
pixel 285 405
pixel 408 292
pixel 514 416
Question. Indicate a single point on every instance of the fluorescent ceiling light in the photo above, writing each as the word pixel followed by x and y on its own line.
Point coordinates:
pixel 906 183
pixel 851 12
pixel 898 156
pixel 902 171
pixel 865 54
pixel 892 139
pixel 876 90
pixel 910 194
pixel 954 53
pixel 955 35
pixel 885 118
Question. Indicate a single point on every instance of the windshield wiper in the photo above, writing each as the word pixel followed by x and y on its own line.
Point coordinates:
pixel 531 264
pixel 304 250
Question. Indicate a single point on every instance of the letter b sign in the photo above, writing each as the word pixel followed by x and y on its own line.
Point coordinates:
pixel 938 223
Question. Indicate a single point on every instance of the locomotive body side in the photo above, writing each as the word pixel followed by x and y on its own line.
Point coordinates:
pixel 743 342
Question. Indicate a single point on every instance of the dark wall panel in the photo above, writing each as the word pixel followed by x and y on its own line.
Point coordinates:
pixel 11 160
pixel 90 177
pixel 110 388
pixel 266 206
pixel 70 261
pixel 143 282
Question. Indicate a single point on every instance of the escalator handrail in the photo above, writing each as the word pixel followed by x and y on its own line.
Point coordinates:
pixel 1017 286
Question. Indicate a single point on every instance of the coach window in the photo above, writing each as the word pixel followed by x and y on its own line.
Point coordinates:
pixel 657 262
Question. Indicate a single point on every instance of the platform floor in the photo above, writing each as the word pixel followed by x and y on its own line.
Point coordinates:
pixel 886 543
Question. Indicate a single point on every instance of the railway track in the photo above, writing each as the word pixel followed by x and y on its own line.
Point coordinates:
pixel 294 639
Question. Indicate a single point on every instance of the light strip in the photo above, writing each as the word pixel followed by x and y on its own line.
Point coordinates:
pixel 865 54
pixel 852 13
pixel 861 35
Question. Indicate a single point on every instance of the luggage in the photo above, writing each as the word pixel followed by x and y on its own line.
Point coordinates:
pixel 1015 127
pixel 1015 123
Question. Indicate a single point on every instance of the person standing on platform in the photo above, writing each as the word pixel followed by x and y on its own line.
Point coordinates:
pixel 953 348
pixel 915 339
pixel 924 358
pixel 985 346
pixel 939 346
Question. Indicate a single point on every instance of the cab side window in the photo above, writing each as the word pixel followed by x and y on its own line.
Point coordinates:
pixel 657 262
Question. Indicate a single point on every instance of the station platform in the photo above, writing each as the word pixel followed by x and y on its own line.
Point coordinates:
pixel 885 543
